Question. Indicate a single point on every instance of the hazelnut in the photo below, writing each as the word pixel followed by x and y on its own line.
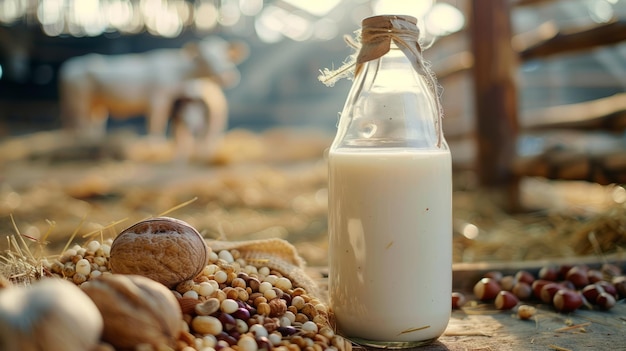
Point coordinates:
pixel 594 276
pixel 567 300
pixel 278 307
pixel 495 275
pixel 136 310
pixel 522 290
pixel 525 276
pixel 508 282
pixel 578 276
pixel 619 283
pixel 164 249
pixel 549 273
pixel 566 284
pixel 506 300
pixel 537 285
pixel 563 269
pixel 605 301
pixel 458 300
pixel 486 289
pixel 548 291
pixel 591 292
pixel 608 287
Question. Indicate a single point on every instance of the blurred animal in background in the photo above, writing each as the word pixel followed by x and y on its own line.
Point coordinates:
pixel 198 119
pixel 185 84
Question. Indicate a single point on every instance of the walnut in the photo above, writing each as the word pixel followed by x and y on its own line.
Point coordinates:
pixel 164 249
pixel 136 310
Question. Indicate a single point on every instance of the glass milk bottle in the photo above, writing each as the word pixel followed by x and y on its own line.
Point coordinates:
pixel 390 196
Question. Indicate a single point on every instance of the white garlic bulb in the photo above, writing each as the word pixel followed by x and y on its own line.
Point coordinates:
pixel 51 314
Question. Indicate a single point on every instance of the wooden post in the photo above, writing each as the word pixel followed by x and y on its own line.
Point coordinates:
pixel 495 65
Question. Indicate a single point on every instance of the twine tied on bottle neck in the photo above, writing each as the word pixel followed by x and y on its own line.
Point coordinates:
pixel 374 40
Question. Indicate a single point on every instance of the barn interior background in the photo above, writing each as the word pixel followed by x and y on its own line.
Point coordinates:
pixel 534 94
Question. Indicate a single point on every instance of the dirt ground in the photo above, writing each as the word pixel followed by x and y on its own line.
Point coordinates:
pixel 267 184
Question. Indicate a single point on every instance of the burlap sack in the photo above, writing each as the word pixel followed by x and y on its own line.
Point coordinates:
pixel 274 253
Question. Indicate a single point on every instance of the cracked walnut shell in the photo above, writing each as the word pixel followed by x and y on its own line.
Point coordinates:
pixel 164 249
pixel 136 310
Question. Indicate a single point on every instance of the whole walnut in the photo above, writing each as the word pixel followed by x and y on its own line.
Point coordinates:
pixel 136 310
pixel 164 249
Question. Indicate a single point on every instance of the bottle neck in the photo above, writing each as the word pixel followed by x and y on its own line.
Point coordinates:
pixel 394 99
pixel 390 105
pixel 394 44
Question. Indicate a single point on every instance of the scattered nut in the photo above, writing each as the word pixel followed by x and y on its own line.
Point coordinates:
pixel 164 249
pixel 495 275
pixel 526 312
pixel 594 276
pixel 548 291
pixel 578 276
pixel 188 304
pixel 608 287
pixel 207 307
pixel 605 301
pixel 506 300
pixel 620 285
pixel 567 300
pixel 486 289
pixel 207 325
pixel 591 292
pixel 524 276
pixel 136 310
pixel 508 282
pixel 537 285
pixel 522 290
pixel 458 300
pixel 548 273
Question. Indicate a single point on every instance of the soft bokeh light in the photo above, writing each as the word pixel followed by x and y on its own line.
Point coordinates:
pixel 315 7
pixel 325 29
pixel 297 28
pixel 269 25
pixel 119 13
pixel 297 20
pixel 250 7
pixel 415 8
pixel 444 19
pixel 229 13
pixel 600 11
pixel 206 15
pixel 433 19
pixel 619 195
pixel 470 231
pixel 86 18
pixel 50 11
pixel 11 10
pixel 183 9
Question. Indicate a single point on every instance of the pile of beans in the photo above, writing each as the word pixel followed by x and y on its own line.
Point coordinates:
pixel 566 288
pixel 231 305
